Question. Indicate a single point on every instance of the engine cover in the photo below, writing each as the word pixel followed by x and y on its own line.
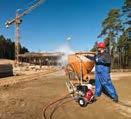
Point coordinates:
pixel 89 95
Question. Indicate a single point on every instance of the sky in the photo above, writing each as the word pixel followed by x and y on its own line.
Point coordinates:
pixel 48 27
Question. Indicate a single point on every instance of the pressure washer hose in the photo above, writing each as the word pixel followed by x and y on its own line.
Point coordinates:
pixel 58 106
pixel 60 100
pixel 50 104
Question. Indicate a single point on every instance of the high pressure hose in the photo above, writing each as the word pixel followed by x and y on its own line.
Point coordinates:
pixel 58 106
pixel 54 102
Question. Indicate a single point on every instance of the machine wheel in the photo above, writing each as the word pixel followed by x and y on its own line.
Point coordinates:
pixel 82 102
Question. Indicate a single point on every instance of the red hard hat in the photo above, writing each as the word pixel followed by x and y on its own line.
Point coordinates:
pixel 101 45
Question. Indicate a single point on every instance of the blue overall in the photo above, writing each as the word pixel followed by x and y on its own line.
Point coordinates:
pixel 102 75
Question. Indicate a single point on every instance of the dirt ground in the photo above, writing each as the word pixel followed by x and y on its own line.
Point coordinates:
pixel 27 100
pixel 6 61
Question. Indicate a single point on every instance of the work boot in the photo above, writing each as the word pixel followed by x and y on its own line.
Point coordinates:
pixel 115 100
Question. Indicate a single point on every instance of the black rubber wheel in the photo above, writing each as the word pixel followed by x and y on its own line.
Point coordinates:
pixel 82 102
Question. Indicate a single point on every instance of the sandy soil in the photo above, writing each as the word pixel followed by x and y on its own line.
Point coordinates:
pixel 26 100
pixel 6 61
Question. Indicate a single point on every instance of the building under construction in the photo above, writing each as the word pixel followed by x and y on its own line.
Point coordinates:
pixel 48 59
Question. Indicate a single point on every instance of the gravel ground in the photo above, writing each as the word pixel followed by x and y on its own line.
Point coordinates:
pixel 27 99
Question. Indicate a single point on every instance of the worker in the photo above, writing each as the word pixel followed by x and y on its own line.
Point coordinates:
pixel 103 81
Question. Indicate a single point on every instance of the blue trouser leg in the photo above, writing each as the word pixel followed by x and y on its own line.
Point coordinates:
pixel 107 85
pixel 110 89
pixel 98 87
